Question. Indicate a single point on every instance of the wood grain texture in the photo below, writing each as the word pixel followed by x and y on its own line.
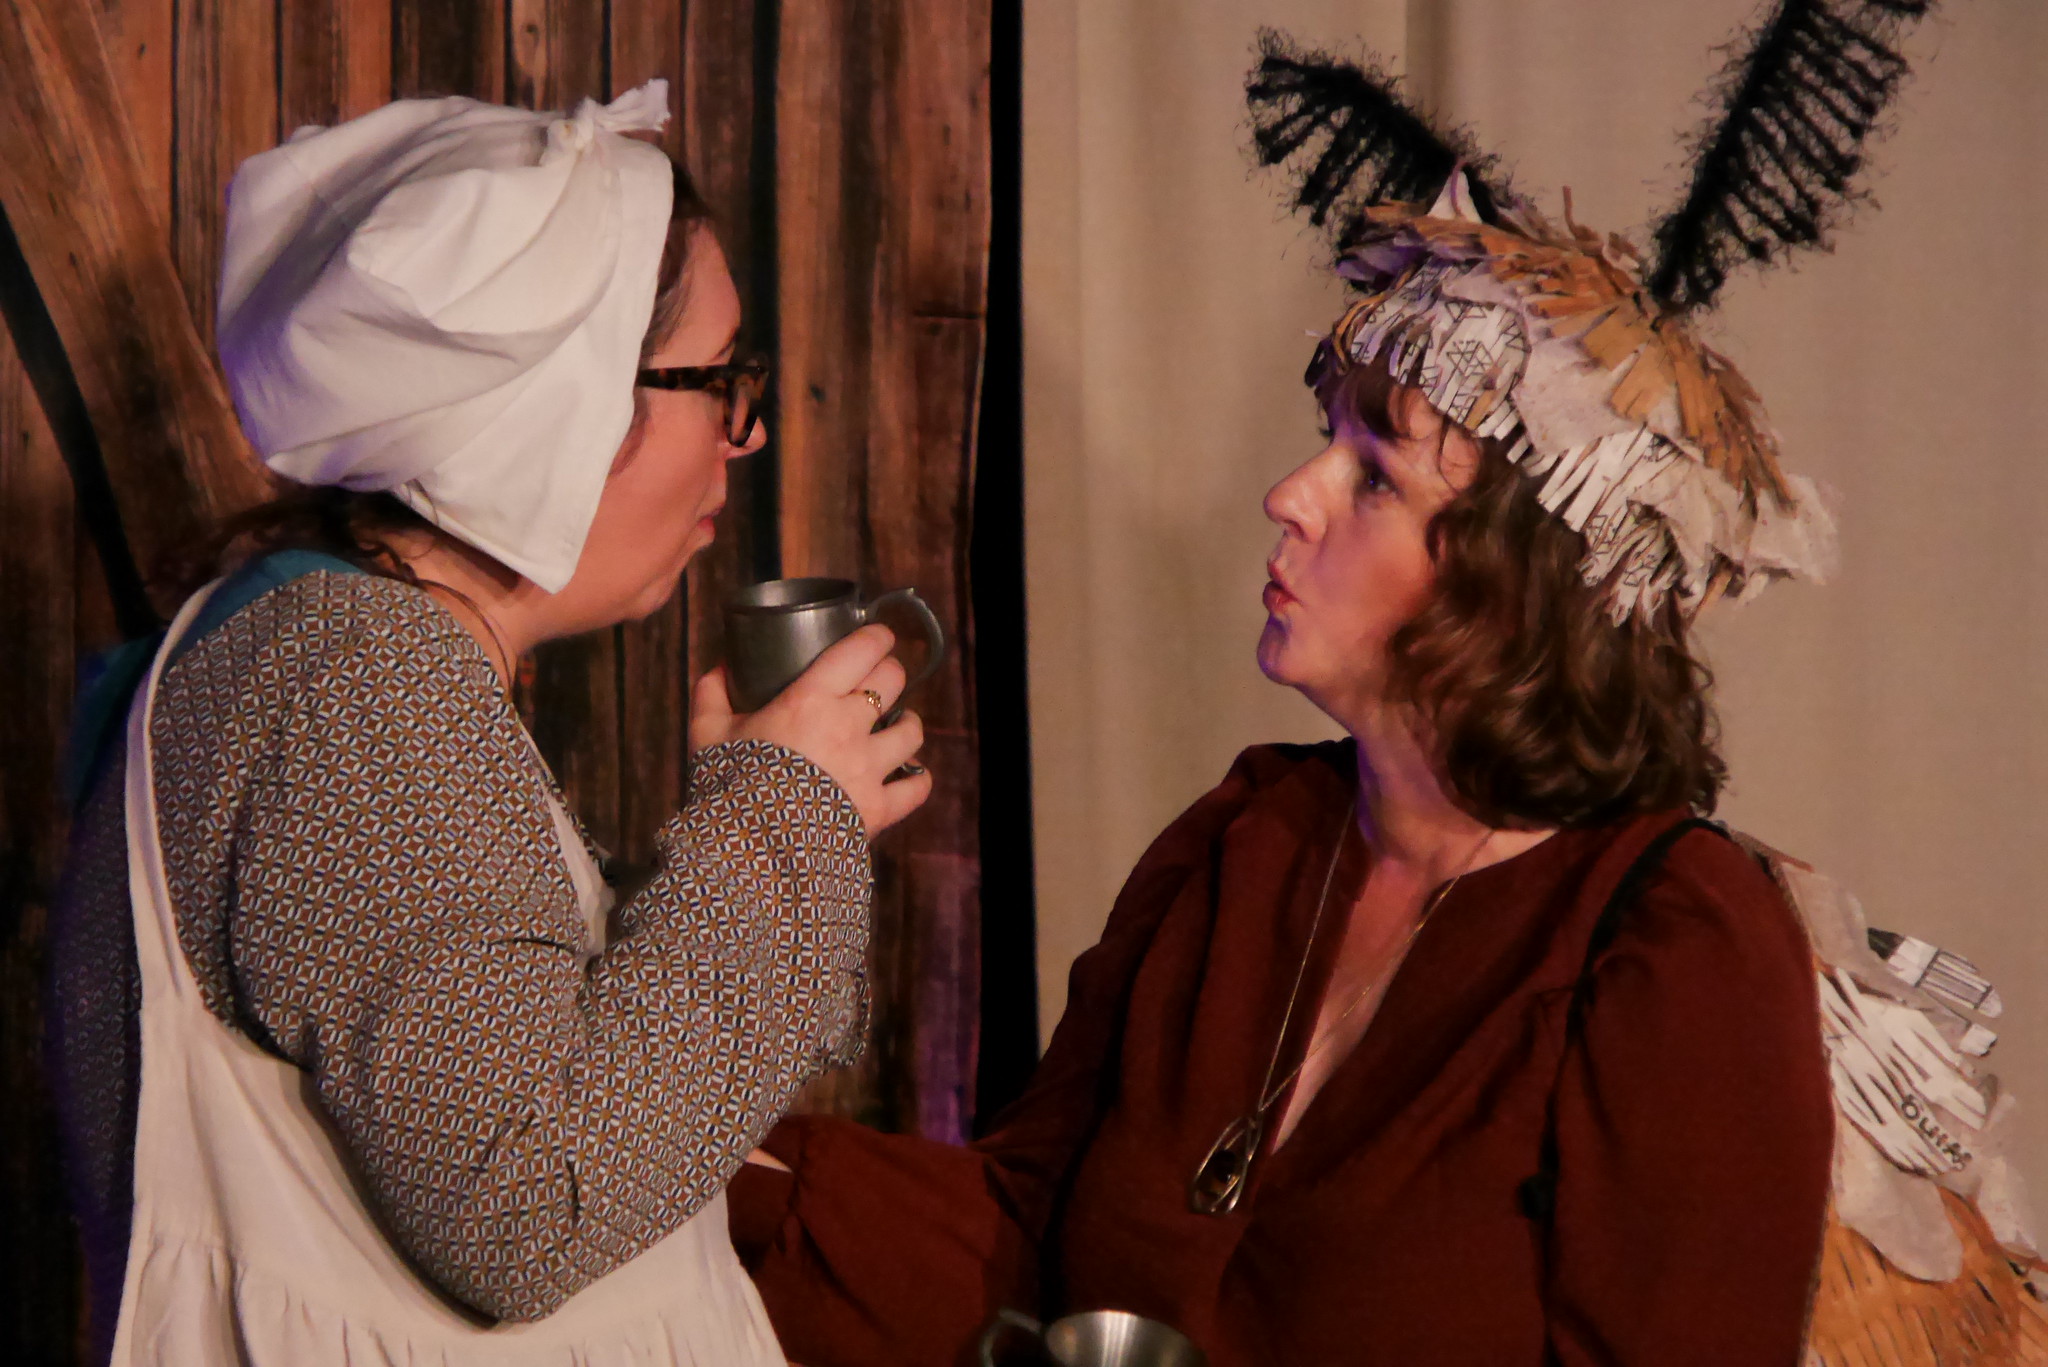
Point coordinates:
pixel 136 38
pixel 720 119
pixel 830 269
pixel 136 35
pixel 922 499
pixel 921 520
pixel 334 60
pixel 946 137
pixel 920 528
pixel 558 53
pixel 938 952
pixel 448 47
pixel 556 58
pixel 54 609
pixel 78 201
pixel 653 735
pixel 576 721
pixel 647 41
pixel 39 1259
pixel 715 136
pixel 841 262
pixel 882 239
pixel 225 87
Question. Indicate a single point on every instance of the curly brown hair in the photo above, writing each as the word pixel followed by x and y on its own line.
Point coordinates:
pixel 1546 711
pixel 358 525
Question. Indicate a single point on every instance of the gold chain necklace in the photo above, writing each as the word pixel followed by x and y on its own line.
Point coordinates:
pixel 1220 1179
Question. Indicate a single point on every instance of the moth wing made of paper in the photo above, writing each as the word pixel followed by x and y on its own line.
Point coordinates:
pixel 1930 1258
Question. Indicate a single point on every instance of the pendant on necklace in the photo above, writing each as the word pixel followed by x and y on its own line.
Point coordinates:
pixel 1220 1180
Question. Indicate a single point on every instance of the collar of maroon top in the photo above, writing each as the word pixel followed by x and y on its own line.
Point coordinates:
pixel 1453 971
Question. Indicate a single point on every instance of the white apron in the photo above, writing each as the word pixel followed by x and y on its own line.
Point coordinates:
pixel 251 1243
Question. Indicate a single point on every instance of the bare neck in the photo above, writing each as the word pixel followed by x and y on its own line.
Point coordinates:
pixel 1413 828
pixel 503 610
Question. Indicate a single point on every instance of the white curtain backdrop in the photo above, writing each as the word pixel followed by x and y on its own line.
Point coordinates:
pixel 1891 727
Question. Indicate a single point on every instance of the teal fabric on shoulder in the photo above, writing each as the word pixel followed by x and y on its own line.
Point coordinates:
pixel 108 680
pixel 251 582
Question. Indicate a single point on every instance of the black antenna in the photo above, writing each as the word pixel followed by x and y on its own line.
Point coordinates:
pixel 1772 172
pixel 1368 145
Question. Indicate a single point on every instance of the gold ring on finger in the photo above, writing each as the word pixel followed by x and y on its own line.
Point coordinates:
pixel 874 698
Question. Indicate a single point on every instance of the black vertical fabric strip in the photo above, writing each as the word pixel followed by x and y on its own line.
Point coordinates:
pixel 1645 867
pixel 763 292
pixel 1009 936
pixel 41 349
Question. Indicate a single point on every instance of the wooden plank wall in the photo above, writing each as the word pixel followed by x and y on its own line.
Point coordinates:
pixel 881 196
pixel 844 144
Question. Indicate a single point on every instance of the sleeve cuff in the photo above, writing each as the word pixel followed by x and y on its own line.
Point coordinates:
pixel 742 768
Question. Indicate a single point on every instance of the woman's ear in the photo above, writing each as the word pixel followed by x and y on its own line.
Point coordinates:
pixel 1415 417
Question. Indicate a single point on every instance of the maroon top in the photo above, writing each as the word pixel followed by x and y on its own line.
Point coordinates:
pixel 1691 1115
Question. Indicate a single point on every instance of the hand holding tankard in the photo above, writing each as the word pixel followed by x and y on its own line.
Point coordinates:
pixel 805 669
pixel 774 630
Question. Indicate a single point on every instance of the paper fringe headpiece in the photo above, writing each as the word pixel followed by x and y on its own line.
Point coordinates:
pixel 1646 442
pixel 1642 438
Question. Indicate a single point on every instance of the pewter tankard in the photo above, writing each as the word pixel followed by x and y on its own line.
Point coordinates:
pixel 774 630
pixel 1099 1338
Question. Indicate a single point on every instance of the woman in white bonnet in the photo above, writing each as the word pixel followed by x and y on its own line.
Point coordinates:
pixel 359 1061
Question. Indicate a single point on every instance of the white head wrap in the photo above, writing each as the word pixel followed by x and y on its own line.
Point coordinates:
pixel 447 299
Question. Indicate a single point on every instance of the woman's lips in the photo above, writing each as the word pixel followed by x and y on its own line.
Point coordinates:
pixel 1277 594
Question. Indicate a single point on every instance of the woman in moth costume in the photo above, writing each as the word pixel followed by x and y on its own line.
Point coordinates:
pixel 1468 1040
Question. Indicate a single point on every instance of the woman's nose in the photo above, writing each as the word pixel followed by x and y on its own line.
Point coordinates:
pixel 756 439
pixel 1286 503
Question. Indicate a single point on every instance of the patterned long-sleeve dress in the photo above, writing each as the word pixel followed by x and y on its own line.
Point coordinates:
pixel 368 883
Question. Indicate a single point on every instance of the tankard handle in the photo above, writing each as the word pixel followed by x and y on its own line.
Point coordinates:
pixel 1006 1320
pixel 934 639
